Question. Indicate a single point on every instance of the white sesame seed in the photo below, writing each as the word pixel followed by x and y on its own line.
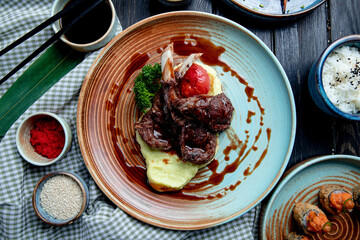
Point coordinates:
pixel 61 197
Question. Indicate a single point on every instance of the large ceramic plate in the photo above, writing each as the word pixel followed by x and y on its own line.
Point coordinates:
pixel 275 9
pixel 301 184
pixel 252 154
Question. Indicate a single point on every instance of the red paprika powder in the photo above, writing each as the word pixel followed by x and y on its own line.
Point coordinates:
pixel 47 137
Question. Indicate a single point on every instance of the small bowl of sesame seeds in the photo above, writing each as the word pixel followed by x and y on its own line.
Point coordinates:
pixel 59 198
pixel 334 79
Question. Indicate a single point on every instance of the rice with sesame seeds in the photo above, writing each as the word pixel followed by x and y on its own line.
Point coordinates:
pixel 341 78
pixel 61 197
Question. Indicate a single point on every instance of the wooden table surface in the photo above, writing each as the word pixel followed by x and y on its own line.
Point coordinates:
pixel 297 45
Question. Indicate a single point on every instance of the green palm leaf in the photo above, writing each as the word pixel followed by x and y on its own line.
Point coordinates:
pixel 47 70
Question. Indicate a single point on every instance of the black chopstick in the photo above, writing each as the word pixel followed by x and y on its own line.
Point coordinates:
pixel 51 40
pixel 69 7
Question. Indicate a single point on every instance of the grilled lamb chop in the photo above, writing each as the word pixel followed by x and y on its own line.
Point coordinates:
pixel 152 126
pixel 215 112
pixel 197 144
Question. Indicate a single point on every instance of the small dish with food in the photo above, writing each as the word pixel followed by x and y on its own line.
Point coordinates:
pixel 91 32
pixel 43 138
pixel 321 185
pixel 275 10
pixel 334 79
pixel 263 121
pixel 59 198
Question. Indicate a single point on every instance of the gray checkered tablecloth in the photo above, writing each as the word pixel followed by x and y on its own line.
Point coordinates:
pixel 102 219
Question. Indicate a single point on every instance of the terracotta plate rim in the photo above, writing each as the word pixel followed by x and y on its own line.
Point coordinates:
pixel 288 176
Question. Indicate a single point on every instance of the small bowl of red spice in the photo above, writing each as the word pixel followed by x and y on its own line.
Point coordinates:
pixel 43 138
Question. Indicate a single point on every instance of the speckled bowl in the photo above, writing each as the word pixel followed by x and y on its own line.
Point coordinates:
pixel 24 146
pixel 43 215
pixel 58 5
pixel 271 10
pixel 315 84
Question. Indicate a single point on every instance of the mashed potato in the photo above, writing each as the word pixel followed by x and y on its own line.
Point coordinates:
pixel 165 171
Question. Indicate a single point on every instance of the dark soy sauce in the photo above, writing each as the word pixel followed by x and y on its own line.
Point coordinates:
pixel 91 27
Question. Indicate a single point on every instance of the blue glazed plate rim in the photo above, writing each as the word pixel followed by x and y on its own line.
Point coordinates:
pixel 289 174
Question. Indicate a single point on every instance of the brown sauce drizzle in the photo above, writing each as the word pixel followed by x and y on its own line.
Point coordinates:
pixel 248 170
pixel 183 46
pixel 250 114
pixel 135 173
pixel 249 90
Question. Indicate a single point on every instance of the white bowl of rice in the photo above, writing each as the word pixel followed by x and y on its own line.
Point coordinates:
pixel 334 79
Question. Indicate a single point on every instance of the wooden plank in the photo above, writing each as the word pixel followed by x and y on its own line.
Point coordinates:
pixel 200 5
pixel 344 20
pixel 297 45
pixel 130 12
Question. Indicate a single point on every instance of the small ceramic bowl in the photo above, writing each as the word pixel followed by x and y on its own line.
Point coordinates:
pixel 92 46
pixel 37 205
pixel 315 79
pixel 24 146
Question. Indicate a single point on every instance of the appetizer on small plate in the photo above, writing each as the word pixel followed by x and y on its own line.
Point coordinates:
pixel 335 198
pixel 311 218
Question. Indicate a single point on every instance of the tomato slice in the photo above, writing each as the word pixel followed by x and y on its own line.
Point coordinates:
pixel 196 81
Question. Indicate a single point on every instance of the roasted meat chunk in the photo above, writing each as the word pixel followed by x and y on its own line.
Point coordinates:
pixel 197 144
pixel 215 112
pixel 153 125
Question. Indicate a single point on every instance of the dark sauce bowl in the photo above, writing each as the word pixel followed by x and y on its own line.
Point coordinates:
pixel 91 26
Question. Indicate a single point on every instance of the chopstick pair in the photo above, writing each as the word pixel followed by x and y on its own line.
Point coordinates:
pixel 70 7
